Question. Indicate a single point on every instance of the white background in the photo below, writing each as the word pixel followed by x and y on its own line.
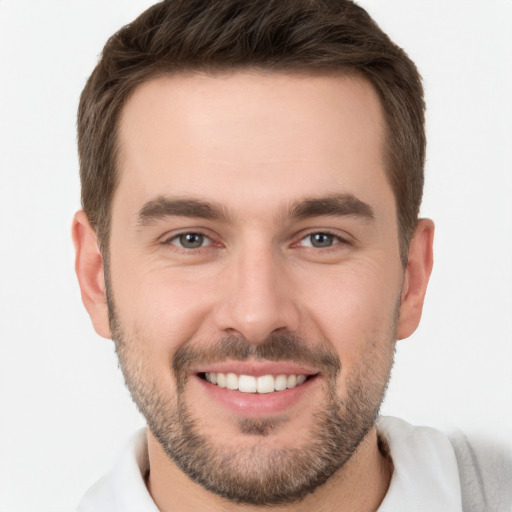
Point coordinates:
pixel 64 413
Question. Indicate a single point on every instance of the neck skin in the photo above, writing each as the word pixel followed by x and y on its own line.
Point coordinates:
pixel 360 485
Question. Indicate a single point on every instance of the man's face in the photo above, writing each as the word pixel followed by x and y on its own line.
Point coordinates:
pixel 254 234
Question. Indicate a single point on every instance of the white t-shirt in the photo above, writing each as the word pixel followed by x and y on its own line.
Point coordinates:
pixel 425 476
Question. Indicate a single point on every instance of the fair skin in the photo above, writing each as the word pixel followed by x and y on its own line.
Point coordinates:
pixel 258 147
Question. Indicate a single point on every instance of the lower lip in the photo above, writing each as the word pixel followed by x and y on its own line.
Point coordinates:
pixel 250 405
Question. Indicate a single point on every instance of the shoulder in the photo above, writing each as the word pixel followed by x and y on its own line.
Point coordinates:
pixel 123 489
pixel 476 472
pixel 425 474
pixel 485 468
pixel 100 497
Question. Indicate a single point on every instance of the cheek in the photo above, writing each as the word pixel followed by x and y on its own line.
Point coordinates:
pixel 352 306
pixel 163 307
pixel 155 320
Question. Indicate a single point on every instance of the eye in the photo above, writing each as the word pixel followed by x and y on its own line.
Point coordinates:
pixel 320 240
pixel 190 240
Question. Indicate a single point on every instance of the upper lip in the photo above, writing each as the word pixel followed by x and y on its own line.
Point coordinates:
pixel 256 368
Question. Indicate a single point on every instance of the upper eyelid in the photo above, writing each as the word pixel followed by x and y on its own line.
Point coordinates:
pixel 173 240
pixel 344 237
pixel 166 237
pixel 336 242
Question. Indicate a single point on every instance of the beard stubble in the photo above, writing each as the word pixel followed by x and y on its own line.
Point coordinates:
pixel 258 473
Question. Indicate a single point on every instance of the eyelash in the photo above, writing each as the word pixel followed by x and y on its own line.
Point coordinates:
pixel 336 240
pixel 177 237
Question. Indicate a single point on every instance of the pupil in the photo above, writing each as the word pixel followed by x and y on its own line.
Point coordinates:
pixel 322 240
pixel 191 240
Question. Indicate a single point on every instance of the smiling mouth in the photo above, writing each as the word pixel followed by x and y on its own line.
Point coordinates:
pixel 252 384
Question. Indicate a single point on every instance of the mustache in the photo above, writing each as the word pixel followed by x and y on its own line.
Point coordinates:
pixel 279 346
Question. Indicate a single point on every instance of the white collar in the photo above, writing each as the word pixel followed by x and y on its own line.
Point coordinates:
pixel 426 475
pixel 124 488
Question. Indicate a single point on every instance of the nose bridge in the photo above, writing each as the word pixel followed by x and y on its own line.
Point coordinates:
pixel 258 299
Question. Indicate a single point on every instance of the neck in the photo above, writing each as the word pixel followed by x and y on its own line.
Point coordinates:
pixel 360 484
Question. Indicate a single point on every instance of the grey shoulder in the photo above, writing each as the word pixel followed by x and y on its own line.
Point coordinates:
pixel 485 469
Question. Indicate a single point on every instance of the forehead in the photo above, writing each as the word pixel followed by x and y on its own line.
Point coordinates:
pixel 251 135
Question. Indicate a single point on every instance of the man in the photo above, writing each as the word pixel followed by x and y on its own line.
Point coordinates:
pixel 251 180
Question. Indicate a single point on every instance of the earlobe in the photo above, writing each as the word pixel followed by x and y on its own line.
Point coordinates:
pixel 90 272
pixel 417 274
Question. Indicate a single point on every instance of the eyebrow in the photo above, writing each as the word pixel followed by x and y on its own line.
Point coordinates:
pixel 162 207
pixel 339 205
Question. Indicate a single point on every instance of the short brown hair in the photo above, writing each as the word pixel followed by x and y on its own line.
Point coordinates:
pixel 317 36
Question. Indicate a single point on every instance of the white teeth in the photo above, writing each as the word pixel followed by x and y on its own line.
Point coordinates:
pixel 247 384
pixel 231 381
pixel 280 384
pixel 251 384
pixel 221 380
pixel 265 384
pixel 291 381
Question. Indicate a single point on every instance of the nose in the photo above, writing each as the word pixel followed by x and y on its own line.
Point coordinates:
pixel 258 296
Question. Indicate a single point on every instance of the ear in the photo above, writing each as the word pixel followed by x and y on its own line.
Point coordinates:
pixel 90 272
pixel 417 274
